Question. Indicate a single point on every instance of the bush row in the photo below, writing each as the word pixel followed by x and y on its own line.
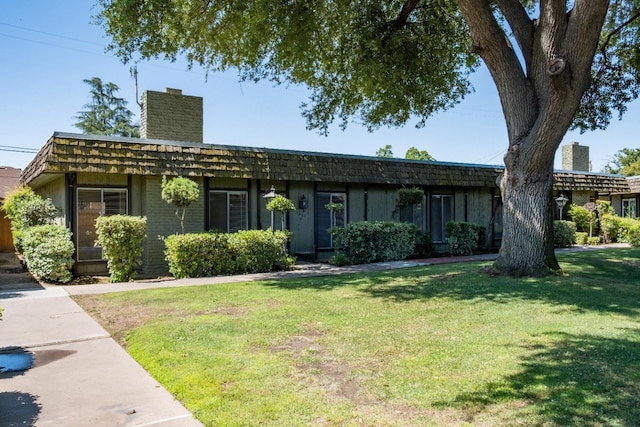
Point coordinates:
pixel 210 254
pixel 373 241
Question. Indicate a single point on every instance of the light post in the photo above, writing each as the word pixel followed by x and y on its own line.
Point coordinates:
pixel 561 201
pixel 268 197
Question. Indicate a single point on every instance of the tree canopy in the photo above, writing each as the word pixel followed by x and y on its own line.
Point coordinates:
pixel 412 153
pixel 106 114
pixel 625 162
pixel 555 64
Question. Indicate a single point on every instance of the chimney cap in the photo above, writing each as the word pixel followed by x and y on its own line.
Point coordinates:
pixel 173 91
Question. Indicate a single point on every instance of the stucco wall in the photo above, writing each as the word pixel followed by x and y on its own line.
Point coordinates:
pixel 55 191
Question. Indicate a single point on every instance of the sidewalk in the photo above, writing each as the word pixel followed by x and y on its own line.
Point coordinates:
pixel 81 376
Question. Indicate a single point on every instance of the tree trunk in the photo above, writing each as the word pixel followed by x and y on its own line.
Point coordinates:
pixel 527 239
pixel 540 94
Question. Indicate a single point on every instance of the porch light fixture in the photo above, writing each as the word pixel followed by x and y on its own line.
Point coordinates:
pixel 303 203
pixel 268 196
pixel 560 202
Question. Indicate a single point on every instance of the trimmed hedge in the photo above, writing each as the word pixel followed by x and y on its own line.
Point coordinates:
pixel 48 251
pixel 121 239
pixel 465 237
pixel 581 238
pixel 213 254
pixel 564 234
pixel 374 241
pixel 633 235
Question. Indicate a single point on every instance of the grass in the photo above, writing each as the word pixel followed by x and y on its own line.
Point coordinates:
pixel 435 345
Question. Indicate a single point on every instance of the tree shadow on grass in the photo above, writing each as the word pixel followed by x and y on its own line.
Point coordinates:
pixel 607 281
pixel 577 380
pixel 19 409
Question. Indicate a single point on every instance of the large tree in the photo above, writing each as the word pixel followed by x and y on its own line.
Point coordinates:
pixel 106 113
pixel 386 62
pixel 625 162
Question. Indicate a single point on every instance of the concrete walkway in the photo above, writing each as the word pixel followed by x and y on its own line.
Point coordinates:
pixel 81 376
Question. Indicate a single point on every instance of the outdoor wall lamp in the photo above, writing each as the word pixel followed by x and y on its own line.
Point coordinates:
pixel 268 196
pixel 303 203
pixel 561 201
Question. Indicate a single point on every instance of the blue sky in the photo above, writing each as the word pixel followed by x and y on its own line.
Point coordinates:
pixel 49 47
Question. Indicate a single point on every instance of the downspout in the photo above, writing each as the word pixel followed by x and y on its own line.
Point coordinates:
pixel 71 185
pixel 207 211
pixel 366 203
pixel 258 187
pixel 466 205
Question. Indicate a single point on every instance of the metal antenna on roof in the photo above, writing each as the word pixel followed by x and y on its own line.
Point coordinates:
pixel 134 74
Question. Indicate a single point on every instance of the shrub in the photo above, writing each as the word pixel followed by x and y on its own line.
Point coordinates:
pixel 181 192
pixel 604 208
pixel 625 225
pixel 210 254
pixel 564 233
pixel 121 239
pixel 375 241
pixel 281 205
pixel 26 209
pixel 581 238
pixel 610 227
pixel 582 217
pixel 424 244
pixel 48 251
pixel 592 241
pixel 633 235
pixel 464 237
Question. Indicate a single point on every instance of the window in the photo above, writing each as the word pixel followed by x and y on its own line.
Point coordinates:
pixel 228 211
pixel 329 218
pixel 93 203
pixel 441 213
pixel 629 208
pixel 413 214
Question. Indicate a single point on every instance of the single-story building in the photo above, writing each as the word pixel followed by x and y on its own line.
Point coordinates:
pixel 87 176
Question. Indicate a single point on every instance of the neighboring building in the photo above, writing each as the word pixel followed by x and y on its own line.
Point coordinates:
pixel 87 176
pixel 9 178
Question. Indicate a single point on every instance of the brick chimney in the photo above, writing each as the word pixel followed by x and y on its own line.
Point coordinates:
pixel 171 116
pixel 575 157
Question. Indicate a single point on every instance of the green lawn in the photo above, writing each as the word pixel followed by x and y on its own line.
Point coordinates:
pixel 435 345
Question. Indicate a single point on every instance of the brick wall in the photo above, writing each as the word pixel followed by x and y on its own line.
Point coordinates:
pixel 162 222
pixel 575 157
pixel 171 116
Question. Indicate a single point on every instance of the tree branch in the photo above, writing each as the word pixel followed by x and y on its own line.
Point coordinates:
pixel 521 25
pixel 492 45
pixel 403 16
pixel 605 45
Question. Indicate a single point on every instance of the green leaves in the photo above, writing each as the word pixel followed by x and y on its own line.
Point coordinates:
pixel 357 59
pixel 121 239
pixel 105 114
pixel 211 254
pixel 48 250
pixel 180 192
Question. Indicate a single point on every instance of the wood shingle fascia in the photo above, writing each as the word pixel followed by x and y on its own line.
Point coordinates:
pixel 588 181
pixel 73 153
pixel 634 183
